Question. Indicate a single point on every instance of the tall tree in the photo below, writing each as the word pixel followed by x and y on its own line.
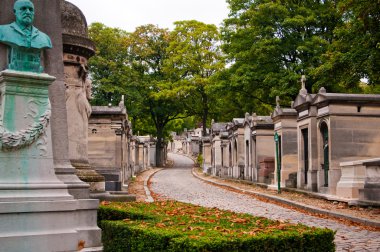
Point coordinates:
pixel 132 64
pixel 355 51
pixel 148 51
pixel 107 66
pixel 194 57
pixel 111 71
pixel 270 44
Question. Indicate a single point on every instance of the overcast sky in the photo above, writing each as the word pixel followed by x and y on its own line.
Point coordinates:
pixel 128 14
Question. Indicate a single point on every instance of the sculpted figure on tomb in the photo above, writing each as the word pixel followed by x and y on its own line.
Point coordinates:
pixel 24 40
pixel 79 89
pixel 78 92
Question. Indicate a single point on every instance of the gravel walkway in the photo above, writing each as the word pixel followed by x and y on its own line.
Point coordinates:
pixel 178 183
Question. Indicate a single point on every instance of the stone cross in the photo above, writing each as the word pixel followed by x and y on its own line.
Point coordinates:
pixel 303 81
pixel 246 116
pixel 278 101
pixel 303 88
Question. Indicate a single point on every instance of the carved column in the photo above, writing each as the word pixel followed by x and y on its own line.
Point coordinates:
pixel 77 49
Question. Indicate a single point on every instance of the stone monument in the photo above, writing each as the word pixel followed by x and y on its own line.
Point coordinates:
pixel 36 210
pixel 285 125
pixel 107 145
pixel 77 49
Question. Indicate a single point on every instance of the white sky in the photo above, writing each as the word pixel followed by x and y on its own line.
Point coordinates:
pixel 128 14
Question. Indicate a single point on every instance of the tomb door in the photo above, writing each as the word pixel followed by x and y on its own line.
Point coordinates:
pixel 326 164
pixel 247 157
pixel 305 137
pixel 277 140
pixel 230 155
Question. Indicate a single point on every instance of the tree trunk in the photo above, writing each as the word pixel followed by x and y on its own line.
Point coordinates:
pixel 159 148
pixel 204 120
pixel 205 114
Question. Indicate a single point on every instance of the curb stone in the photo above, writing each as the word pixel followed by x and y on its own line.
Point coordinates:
pixel 146 188
pixel 295 204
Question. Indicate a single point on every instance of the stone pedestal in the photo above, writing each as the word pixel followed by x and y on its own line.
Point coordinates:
pixel 37 213
pixel 371 190
pixel 26 159
pixel 360 180
pixel 206 156
pixel 90 176
pixel 352 179
pixel 266 170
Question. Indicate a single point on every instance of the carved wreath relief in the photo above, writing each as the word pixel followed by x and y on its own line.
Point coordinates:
pixel 10 141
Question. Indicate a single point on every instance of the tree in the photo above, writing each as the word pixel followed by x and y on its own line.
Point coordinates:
pixel 269 45
pixel 132 64
pixel 107 66
pixel 355 51
pixel 194 57
pixel 148 50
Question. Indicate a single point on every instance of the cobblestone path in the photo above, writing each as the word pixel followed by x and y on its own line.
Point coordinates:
pixel 179 184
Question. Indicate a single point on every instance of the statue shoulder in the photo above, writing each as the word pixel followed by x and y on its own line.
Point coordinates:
pixel 4 30
pixel 7 34
pixel 41 40
pixel 5 27
pixel 47 40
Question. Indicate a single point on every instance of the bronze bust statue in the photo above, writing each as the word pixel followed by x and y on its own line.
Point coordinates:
pixel 24 40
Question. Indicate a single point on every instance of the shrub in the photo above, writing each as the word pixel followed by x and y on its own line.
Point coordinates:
pixel 174 226
pixel 200 160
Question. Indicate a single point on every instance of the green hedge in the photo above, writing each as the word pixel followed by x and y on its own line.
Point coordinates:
pixel 174 226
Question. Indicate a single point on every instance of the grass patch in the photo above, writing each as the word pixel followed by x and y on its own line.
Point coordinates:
pixel 175 226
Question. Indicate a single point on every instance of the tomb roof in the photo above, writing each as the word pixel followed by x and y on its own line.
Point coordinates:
pixel 107 110
pixel 75 32
pixel 346 98
pixel 217 127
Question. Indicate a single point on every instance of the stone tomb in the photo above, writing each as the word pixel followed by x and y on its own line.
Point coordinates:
pixel 107 145
pixel 285 125
pixel 77 49
pixel 207 154
pixel 262 148
pixel 225 152
pixel 248 171
pixel 308 165
pixel 216 144
pixel 194 145
pixel 348 129
pixel 236 134
pixel 142 152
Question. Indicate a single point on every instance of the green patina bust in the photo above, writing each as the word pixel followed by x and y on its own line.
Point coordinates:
pixel 25 41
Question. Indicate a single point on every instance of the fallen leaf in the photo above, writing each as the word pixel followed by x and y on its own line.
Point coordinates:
pixel 81 244
pixel 239 220
pixel 160 225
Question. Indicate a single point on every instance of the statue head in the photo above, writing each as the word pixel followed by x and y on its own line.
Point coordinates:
pixel 24 12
